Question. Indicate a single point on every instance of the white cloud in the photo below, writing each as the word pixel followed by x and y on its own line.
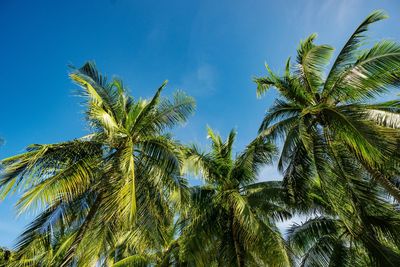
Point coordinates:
pixel 200 81
pixel 332 12
pixel 343 10
pixel 269 173
pixel 284 226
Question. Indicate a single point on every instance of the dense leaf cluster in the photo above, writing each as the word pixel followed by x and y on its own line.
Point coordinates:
pixel 119 196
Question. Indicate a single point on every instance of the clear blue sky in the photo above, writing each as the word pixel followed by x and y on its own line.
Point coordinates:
pixel 211 49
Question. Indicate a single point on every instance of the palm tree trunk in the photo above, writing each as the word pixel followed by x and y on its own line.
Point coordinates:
pixel 236 243
pixel 81 232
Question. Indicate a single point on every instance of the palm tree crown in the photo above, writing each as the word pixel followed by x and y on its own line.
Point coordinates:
pixel 335 109
pixel 231 218
pixel 339 149
pixel 119 195
pixel 128 165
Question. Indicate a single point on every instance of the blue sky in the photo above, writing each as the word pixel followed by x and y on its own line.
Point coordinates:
pixel 210 49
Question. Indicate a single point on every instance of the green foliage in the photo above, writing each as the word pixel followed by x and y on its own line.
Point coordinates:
pixel 119 195
pixel 231 219
pixel 113 184
pixel 6 256
pixel 339 150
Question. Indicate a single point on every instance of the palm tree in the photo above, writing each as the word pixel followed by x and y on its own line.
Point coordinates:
pixel 231 219
pixel 5 256
pixel 369 234
pixel 166 253
pixel 334 112
pixel 118 178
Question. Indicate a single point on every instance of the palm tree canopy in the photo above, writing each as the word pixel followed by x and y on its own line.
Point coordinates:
pixel 119 195
pixel 127 165
pixel 336 106
pixel 339 149
pixel 358 228
pixel 231 219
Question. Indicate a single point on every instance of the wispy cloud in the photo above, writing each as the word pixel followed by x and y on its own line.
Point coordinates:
pixel 269 173
pixel 285 225
pixel 333 12
pixel 200 81
pixel 157 34
pixel 342 10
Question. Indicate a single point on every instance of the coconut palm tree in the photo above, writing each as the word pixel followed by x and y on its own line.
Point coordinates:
pixel 367 236
pixel 317 110
pixel 118 178
pixel 231 219
pixel 5 256
pixel 166 253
